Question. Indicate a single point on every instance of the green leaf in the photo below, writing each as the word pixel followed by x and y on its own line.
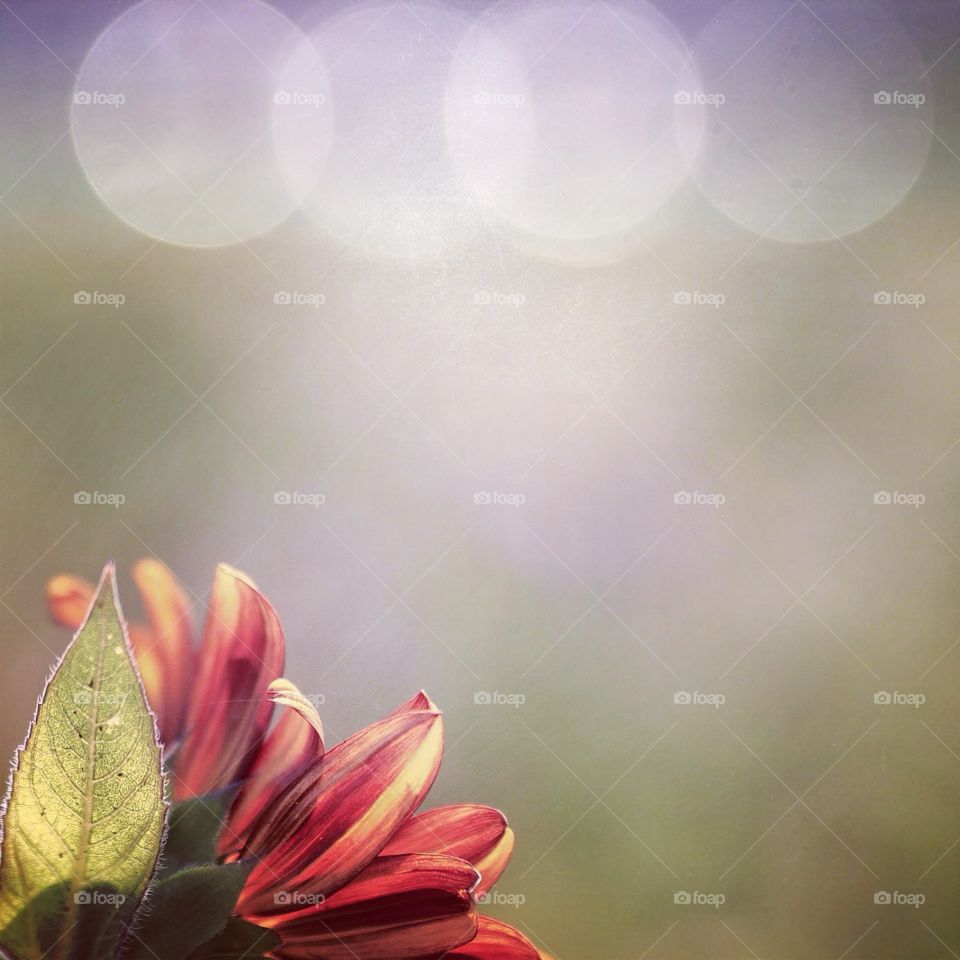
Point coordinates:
pixel 238 941
pixel 185 910
pixel 85 809
pixel 100 923
pixel 194 827
pixel 100 919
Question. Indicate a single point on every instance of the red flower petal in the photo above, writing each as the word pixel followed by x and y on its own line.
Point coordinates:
pixel 469 831
pixel 289 748
pixel 169 641
pixel 496 941
pixel 419 701
pixel 399 907
pixel 329 824
pixel 229 713
pixel 281 691
pixel 150 666
pixel 68 599
pixel 494 862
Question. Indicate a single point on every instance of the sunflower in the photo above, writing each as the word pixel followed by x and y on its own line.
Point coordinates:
pixel 344 867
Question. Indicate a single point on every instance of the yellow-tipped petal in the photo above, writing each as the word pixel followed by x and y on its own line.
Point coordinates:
pixel 397 908
pixel 287 694
pixel 469 831
pixel 242 652
pixel 496 941
pixel 295 742
pixel 329 824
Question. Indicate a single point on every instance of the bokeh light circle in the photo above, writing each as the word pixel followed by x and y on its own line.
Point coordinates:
pixel 388 188
pixel 823 121
pixel 182 110
pixel 572 121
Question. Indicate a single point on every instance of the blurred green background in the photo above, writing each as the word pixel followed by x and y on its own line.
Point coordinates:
pixel 584 387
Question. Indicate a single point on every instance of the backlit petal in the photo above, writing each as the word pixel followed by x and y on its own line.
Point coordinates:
pixel 329 824
pixel 68 599
pixel 398 908
pixel 494 862
pixel 291 745
pixel 419 701
pixel 287 694
pixel 149 666
pixel 242 652
pixel 168 611
pixel 469 831
pixel 496 941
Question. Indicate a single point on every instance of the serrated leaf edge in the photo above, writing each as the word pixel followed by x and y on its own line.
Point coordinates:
pixel 109 573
